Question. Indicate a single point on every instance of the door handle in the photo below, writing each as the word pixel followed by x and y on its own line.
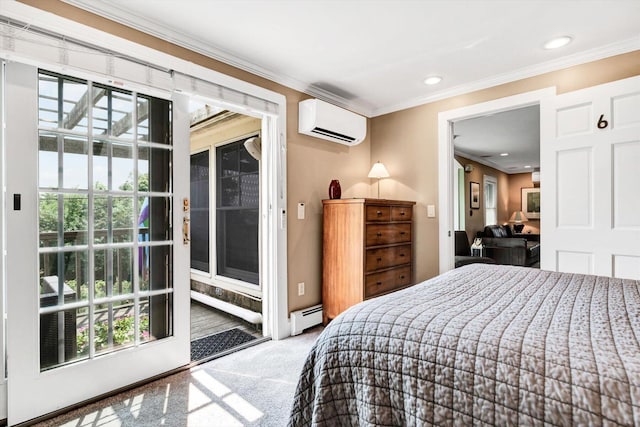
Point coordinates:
pixel 185 231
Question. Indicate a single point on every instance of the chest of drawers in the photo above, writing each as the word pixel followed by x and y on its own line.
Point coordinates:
pixel 367 251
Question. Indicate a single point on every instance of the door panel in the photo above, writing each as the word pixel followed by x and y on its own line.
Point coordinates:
pixel 95 300
pixel 589 155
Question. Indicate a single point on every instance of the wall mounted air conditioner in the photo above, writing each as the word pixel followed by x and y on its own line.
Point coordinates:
pixel 323 120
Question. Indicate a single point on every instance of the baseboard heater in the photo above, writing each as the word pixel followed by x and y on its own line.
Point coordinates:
pixel 243 313
pixel 305 318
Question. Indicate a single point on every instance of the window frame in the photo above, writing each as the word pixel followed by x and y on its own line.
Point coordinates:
pixel 489 180
pixel 213 278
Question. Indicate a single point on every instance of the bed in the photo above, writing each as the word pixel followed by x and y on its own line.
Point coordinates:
pixel 481 344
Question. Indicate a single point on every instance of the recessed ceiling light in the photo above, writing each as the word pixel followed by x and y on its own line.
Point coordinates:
pixel 504 154
pixel 433 80
pixel 557 42
pixel 527 167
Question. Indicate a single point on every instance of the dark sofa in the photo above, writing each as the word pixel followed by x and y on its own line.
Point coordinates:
pixel 505 249
pixel 463 251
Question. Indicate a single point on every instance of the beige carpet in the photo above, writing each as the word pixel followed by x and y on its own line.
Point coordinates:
pixel 252 387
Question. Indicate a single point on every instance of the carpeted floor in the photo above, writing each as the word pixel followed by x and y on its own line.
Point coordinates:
pixel 251 387
pixel 203 348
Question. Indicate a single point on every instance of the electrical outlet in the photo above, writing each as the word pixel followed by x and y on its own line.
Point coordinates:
pixel 300 289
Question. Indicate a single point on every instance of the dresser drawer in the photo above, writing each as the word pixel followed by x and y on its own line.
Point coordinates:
pixel 384 234
pixel 401 213
pixel 379 283
pixel 378 213
pixel 387 257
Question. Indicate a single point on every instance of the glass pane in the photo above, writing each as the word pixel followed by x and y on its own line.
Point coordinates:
pixel 63 338
pixel 114 326
pixel 64 278
pixel 154 169
pixel 64 219
pixel 47 101
pixel 100 110
pixel 101 221
pixel 228 160
pixel 74 105
pixel 247 163
pixel 113 272
pixel 122 167
pixel 156 319
pixel 143 119
pixel 159 120
pixel 48 160
pixel 200 211
pixel 237 244
pixel 154 273
pixel 229 192
pixel 122 218
pixel 76 219
pixel 154 219
pixel 101 165
pixel 122 114
pixel 48 219
pixel 75 163
pixel 249 190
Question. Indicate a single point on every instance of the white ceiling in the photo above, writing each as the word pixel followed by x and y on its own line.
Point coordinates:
pixel 372 56
pixel 514 132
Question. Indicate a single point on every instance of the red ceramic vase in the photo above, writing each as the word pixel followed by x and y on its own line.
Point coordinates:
pixel 334 189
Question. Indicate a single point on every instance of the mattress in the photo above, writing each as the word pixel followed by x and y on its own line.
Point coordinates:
pixel 482 344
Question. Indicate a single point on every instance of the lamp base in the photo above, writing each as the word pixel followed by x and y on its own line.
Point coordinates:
pixel 518 228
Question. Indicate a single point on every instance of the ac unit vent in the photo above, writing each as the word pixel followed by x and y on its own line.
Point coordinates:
pixel 323 120
pixel 333 134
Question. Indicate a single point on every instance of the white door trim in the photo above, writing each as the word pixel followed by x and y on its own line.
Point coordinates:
pixel 445 159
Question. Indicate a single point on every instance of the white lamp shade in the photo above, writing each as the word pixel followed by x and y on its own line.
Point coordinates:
pixel 518 217
pixel 378 171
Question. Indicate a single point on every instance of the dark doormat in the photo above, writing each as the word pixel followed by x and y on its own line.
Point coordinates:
pixel 217 343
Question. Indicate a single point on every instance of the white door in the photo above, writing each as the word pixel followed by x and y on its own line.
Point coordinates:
pixel 97 277
pixel 590 187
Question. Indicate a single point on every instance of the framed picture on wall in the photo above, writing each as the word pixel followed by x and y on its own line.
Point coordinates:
pixel 531 202
pixel 474 195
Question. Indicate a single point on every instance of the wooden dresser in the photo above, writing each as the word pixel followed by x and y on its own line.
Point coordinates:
pixel 367 251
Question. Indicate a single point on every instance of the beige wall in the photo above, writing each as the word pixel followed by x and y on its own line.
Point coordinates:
pixel 407 141
pixel 474 218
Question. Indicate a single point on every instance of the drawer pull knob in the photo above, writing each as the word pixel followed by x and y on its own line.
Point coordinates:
pixel 402 233
pixel 379 260
pixel 402 213
pixel 379 234
pixel 378 283
pixel 402 277
pixel 379 213
pixel 401 255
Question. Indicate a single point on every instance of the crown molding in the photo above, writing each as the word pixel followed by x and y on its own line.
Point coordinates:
pixel 155 29
pixel 125 17
pixel 617 48
pixel 491 164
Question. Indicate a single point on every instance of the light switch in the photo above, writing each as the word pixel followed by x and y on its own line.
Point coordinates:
pixel 301 210
pixel 431 211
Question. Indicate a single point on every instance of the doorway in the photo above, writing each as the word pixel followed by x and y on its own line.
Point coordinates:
pixel 226 282
pixel 446 135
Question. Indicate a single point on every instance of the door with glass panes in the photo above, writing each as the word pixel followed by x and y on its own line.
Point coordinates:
pixel 97 275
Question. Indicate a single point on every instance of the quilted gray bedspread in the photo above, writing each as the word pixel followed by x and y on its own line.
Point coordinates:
pixel 482 344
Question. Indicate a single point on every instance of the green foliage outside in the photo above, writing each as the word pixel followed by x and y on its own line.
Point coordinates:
pixel 75 219
pixel 123 333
